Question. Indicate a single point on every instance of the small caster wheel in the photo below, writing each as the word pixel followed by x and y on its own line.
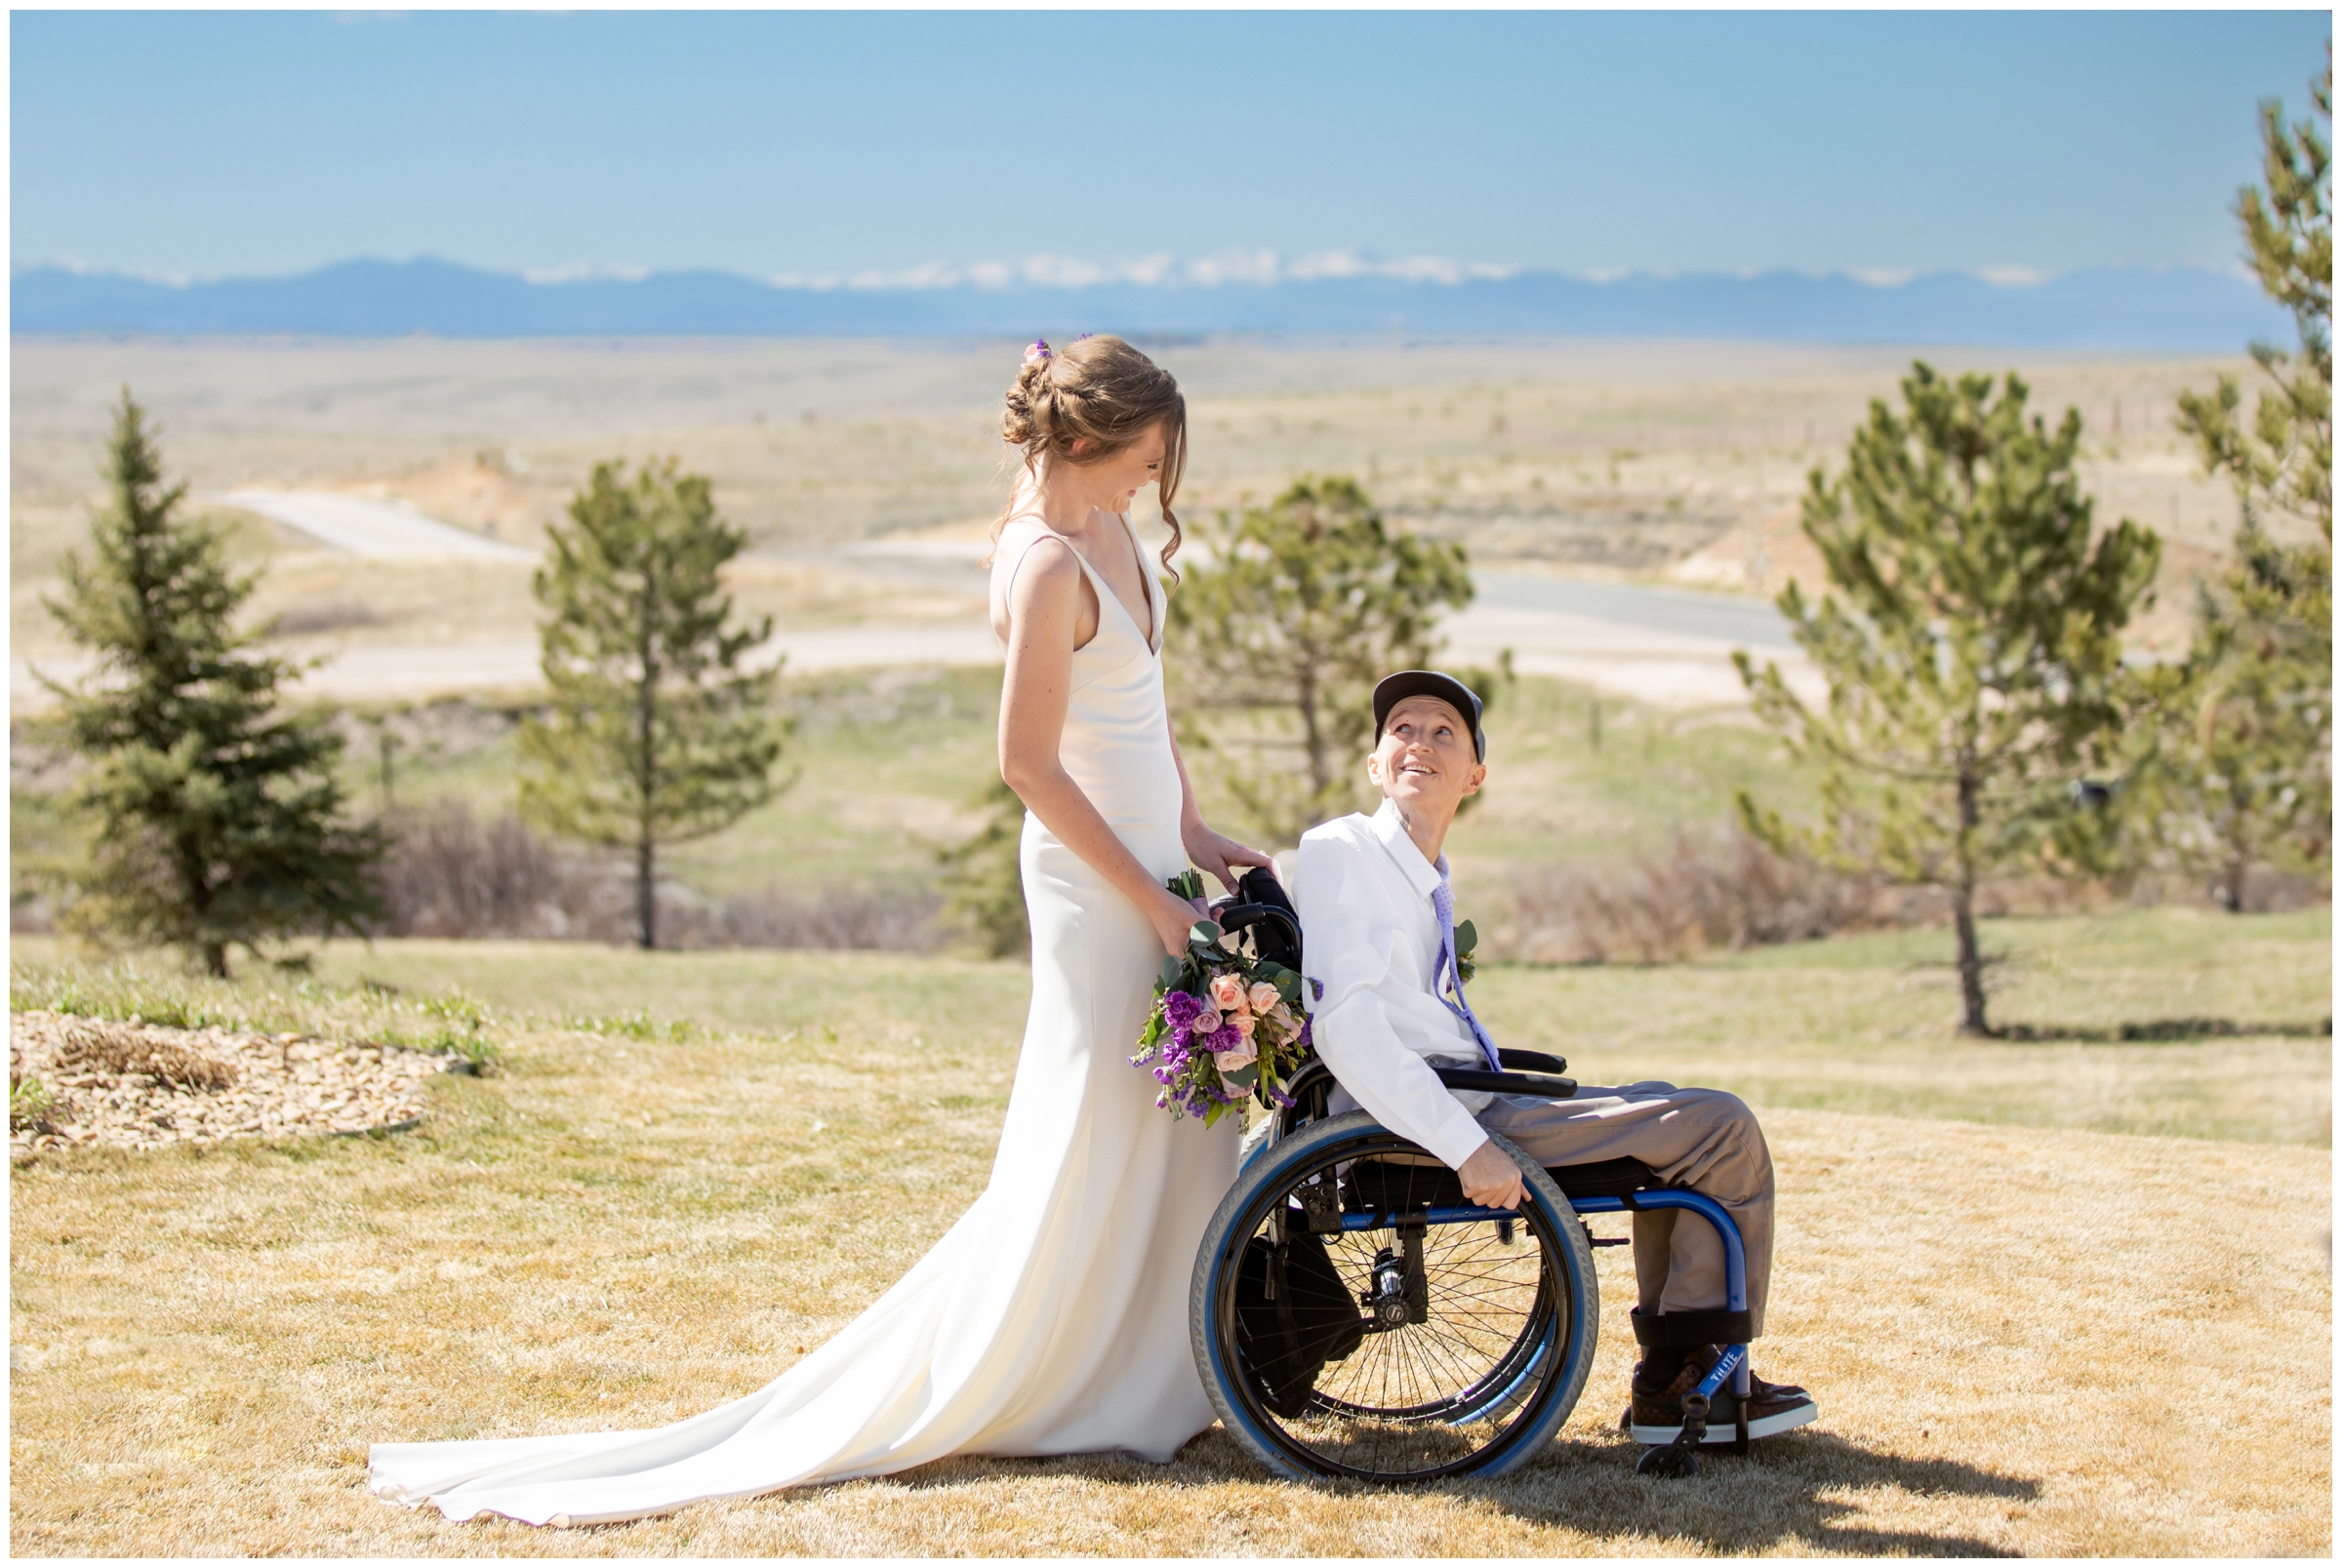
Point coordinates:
pixel 1680 1457
pixel 1670 1459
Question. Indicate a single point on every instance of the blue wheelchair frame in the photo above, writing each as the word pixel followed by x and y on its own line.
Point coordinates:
pixel 1733 1364
pixel 1264 904
pixel 1672 1458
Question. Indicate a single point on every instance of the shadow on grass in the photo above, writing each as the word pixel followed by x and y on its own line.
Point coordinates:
pixel 1772 1498
pixel 2162 1030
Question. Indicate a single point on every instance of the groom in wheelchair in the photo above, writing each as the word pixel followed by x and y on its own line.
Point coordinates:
pixel 1392 1025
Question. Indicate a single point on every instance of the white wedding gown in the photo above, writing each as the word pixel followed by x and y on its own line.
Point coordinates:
pixel 1052 1318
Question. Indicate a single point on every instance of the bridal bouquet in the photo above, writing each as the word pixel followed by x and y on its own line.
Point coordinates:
pixel 1225 1025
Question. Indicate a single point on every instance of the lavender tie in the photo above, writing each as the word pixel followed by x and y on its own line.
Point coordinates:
pixel 1443 902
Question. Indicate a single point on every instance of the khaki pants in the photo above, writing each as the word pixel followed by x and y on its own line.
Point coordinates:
pixel 1702 1138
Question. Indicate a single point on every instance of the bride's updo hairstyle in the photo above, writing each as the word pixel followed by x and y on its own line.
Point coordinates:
pixel 1090 400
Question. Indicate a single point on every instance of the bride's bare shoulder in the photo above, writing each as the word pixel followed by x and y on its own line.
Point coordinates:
pixel 1035 581
pixel 1033 562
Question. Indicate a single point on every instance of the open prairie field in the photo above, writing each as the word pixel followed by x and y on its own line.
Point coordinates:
pixel 2062 1298
pixel 889 765
pixel 862 470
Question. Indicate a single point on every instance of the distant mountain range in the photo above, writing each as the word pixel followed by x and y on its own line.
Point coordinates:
pixel 2171 309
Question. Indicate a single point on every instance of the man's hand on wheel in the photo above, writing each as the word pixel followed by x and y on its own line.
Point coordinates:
pixel 1491 1179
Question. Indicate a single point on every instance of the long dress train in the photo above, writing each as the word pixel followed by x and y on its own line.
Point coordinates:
pixel 1052 1318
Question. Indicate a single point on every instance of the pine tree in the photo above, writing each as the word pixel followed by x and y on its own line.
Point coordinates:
pixel 1972 643
pixel 983 885
pixel 656 734
pixel 2246 773
pixel 1303 605
pixel 2283 461
pixel 218 817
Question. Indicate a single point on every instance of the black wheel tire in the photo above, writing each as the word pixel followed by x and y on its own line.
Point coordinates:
pixel 1216 1360
pixel 1668 1462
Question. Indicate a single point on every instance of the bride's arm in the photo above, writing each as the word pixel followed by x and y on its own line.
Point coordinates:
pixel 1213 852
pixel 1044 601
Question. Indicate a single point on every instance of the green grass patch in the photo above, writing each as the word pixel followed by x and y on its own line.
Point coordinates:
pixel 1861 1023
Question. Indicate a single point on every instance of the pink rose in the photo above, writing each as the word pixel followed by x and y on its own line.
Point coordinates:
pixel 1286 1025
pixel 1243 1023
pixel 1228 992
pixel 1206 1023
pixel 1264 996
pixel 1243 1056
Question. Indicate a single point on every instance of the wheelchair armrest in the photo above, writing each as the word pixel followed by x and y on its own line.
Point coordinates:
pixel 1545 1084
pixel 1532 1061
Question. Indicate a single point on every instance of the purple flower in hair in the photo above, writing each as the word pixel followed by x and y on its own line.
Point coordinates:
pixel 1038 350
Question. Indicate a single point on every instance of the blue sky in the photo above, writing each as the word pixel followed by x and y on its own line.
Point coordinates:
pixel 824 143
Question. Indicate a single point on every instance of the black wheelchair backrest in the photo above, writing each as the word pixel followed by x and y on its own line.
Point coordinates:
pixel 1259 906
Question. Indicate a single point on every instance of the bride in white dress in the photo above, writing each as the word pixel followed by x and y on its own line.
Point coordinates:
pixel 1052 1318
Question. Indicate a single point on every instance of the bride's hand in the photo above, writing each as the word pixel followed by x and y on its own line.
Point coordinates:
pixel 1219 856
pixel 1174 918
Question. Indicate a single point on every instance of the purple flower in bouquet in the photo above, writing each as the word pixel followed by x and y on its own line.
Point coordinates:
pixel 1180 1008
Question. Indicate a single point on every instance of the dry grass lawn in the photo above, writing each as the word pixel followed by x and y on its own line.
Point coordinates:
pixel 2024 1339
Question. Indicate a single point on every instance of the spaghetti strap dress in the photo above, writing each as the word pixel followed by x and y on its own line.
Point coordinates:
pixel 1052 1317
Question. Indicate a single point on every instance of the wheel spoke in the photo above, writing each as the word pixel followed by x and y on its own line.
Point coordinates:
pixel 1424 1400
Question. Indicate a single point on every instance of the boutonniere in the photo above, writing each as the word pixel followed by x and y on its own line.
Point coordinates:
pixel 1468 936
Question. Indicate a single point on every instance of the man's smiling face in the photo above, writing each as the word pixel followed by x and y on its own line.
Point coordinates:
pixel 1424 760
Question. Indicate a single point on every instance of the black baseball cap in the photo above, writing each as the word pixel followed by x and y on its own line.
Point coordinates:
pixel 1391 690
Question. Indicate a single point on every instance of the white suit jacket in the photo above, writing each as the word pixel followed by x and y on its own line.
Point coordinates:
pixel 1370 938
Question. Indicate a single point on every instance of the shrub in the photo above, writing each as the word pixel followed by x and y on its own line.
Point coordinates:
pixel 30 1103
pixel 116 1048
pixel 1725 891
pixel 450 874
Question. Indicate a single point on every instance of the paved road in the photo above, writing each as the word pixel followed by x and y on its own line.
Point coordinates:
pixel 1669 647
pixel 380 672
pixel 384 530
pixel 1752 623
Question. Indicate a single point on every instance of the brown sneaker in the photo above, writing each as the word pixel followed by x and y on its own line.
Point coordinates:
pixel 1773 1407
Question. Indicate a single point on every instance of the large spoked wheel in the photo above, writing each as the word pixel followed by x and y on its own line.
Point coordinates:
pixel 1472 1338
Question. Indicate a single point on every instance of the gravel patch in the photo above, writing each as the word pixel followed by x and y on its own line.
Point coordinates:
pixel 135 1085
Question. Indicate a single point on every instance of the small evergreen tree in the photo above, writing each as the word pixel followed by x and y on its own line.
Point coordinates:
pixel 1972 642
pixel 983 885
pixel 2283 461
pixel 2239 771
pixel 656 734
pixel 1281 634
pixel 218 817
pixel 2246 773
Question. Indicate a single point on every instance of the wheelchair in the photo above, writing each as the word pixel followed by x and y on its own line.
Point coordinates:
pixel 1353 1315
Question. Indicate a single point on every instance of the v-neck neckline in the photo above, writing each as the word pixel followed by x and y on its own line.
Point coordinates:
pixel 1146 585
pixel 1105 589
